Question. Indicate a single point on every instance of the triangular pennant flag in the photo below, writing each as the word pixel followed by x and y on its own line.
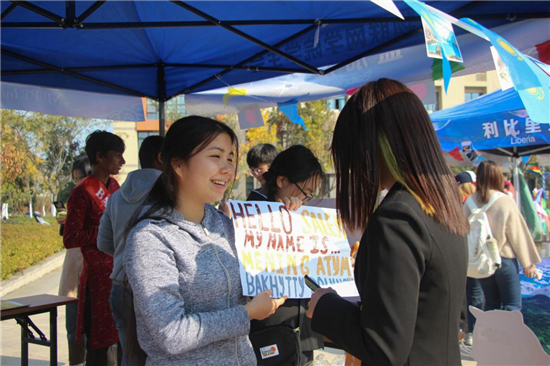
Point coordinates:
pixel 389 6
pixel 250 118
pixel 231 93
pixel 530 80
pixel 440 38
pixel 455 153
pixel 437 72
pixel 290 109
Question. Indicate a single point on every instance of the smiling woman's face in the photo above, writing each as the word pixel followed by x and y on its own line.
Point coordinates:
pixel 205 176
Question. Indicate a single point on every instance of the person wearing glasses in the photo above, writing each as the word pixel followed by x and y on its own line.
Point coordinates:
pixel 295 174
pixel 259 158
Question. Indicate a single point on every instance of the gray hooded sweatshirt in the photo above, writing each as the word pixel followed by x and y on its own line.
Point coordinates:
pixel 120 208
pixel 187 291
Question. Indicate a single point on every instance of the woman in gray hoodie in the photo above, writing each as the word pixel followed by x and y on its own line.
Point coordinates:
pixel 181 261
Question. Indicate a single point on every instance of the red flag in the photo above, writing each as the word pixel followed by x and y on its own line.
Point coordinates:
pixel 455 153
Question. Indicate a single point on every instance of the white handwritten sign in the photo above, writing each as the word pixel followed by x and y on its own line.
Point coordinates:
pixel 277 247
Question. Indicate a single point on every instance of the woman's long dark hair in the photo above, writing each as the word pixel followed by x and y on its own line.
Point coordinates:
pixel 297 164
pixel 386 122
pixel 489 177
pixel 186 137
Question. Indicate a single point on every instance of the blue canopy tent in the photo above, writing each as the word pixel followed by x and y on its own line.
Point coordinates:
pixel 495 123
pixel 160 49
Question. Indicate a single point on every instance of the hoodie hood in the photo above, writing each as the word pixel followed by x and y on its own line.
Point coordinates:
pixel 138 184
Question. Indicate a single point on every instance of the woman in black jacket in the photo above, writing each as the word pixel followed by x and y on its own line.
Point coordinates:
pixel 411 266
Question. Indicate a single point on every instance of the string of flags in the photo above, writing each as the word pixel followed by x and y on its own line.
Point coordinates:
pixel 529 77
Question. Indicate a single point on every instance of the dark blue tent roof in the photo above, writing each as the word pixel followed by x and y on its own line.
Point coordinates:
pixel 159 49
pixel 496 122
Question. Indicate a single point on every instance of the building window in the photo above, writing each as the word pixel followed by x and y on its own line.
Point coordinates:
pixel 152 109
pixel 336 103
pixel 473 93
pixel 179 106
pixel 437 105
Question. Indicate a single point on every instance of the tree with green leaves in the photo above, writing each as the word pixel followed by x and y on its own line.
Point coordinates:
pixel 45 146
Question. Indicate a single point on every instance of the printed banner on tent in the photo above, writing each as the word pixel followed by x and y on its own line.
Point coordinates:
pixel 73 103
pixel 508 129
pixel 277 248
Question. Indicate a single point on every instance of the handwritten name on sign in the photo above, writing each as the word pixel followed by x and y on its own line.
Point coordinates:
pixel 277 248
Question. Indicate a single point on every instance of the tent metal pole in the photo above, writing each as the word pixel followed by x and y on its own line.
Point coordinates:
pixel 70 13
pixel 79 22
pixel 259 54
pixel 88 12
pixel 38 10
pixel 73 74
pixel 247 68
pixel 8 10
pixel 77 69
pixel 162 119
pixel 162 98
pixel 515 161
pixel 246 36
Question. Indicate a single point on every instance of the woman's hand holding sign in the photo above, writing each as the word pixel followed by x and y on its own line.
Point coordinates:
pixel 262 305
pixel 291 203
pixel 315 298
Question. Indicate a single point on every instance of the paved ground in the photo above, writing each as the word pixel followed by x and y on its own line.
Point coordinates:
pixel 39 356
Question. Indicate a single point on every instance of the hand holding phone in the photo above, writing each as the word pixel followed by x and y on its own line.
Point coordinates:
pixel 311 284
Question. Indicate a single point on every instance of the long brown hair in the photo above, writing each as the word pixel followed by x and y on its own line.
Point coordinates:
pixel 186 137
pixel 489 177
pixel 386 122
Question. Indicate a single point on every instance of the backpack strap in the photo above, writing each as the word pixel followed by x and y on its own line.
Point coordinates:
pixel 472 205
pixel 494 197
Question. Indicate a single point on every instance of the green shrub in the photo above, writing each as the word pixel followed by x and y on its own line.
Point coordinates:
pixel 25 242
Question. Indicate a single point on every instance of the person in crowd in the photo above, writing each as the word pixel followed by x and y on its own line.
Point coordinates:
pixel 509 189
pixel 85 207
pixel 259 159
pixel 70 274
pixel 503 290
pixel 411 266
pixel 295 172
pixel 466 184
pixel 180 257
pixel 120 207
pixel 474 294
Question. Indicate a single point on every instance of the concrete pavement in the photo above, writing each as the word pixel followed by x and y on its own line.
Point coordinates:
pixel 39 356
pixel 11 331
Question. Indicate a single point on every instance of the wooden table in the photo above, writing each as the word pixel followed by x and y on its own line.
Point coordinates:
pixel 38 304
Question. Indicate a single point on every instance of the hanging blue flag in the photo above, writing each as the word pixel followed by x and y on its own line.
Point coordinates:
pixel 441 29
pixel 290 109
pixel 530 81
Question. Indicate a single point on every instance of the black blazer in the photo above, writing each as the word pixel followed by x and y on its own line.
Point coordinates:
pixel 411 275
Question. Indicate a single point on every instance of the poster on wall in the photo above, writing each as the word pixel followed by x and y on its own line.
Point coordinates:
pixel 277 248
